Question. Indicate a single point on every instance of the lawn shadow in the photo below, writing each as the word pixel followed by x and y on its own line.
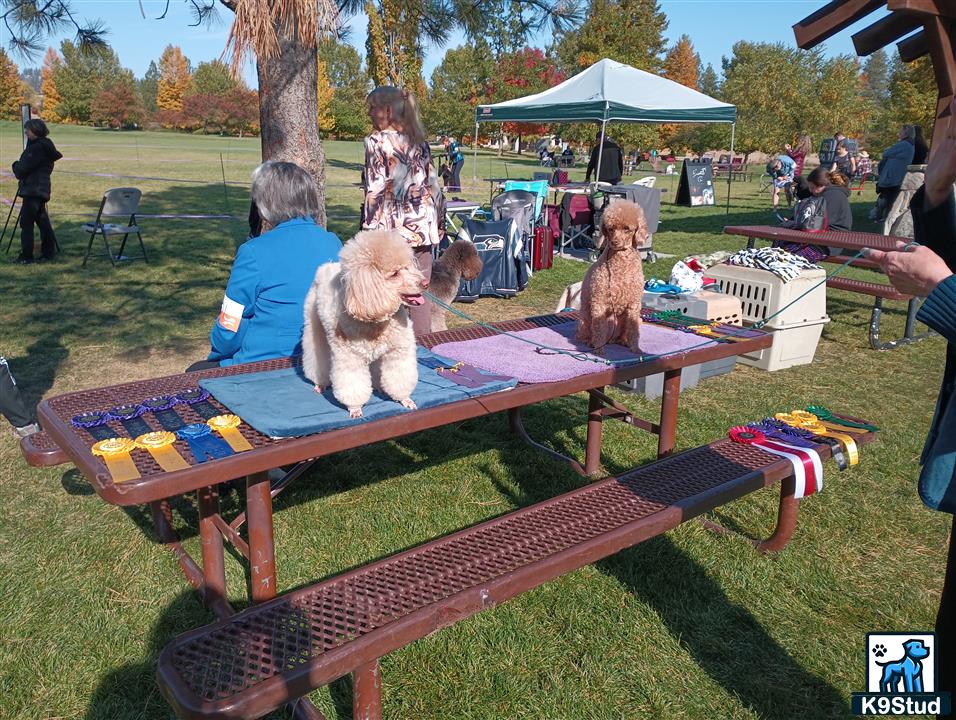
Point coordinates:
pixel 724 638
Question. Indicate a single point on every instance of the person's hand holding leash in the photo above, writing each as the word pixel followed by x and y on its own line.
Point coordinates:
pixel 913 269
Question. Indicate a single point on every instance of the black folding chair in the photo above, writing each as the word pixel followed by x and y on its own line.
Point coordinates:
pixel 118 202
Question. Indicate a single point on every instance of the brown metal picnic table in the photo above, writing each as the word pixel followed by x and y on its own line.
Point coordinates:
pixel 854 242
pixel 156 487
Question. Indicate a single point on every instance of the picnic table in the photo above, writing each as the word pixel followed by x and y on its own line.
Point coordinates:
pixel 854 242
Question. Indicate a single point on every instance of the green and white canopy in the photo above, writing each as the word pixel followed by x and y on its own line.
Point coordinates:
pixel 610 91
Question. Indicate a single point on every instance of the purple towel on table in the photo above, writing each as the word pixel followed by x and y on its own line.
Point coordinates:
pixel 521 360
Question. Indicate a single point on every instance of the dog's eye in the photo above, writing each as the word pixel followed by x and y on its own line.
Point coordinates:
pixel 394 273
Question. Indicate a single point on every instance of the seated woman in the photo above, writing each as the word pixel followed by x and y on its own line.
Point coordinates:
pixel 836 192
pixel 261 316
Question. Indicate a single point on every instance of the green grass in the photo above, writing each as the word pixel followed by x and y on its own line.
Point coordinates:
pixel 687 625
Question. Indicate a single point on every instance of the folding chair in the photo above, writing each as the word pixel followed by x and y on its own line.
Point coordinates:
pixel 118 202
pixel 578 221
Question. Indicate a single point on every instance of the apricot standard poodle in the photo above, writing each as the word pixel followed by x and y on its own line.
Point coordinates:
pixel 614 285
pixel 358 333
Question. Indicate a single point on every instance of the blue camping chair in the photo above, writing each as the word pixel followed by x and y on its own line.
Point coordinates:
pixel 538 187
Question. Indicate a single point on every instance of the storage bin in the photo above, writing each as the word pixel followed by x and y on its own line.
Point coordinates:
pixel 796 330
pixel 762 294
pixel 703 304
pixel 652 386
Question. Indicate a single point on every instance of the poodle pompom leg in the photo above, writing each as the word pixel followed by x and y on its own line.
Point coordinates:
pixel 633 330
pixel 438 319
pixel 316 354
pixel 351 383
pixel 602 330
pixel 399 375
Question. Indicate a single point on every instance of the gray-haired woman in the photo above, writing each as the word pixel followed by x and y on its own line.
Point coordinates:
pixel 261 315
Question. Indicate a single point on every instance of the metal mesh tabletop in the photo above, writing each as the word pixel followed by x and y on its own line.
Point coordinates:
pixel 314 635
pixel 847 240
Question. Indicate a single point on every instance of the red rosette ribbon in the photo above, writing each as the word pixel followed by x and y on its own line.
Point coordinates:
pixel 746 435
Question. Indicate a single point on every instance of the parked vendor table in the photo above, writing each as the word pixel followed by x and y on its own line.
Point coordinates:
pixel 854 242
pixel 156 487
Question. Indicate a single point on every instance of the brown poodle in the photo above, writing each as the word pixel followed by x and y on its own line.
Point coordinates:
pixel 614 285
pixel 358 334
pixel 459 261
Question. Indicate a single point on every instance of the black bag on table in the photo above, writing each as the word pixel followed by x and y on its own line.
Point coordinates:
pixel 499 245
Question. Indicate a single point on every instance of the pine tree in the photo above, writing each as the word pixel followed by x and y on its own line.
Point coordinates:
pixel 174 79
pixel 629 31
pixel 876 77
pixel 10 88
pixel 682 64
pixel 51 96
pixel 709 82
pixel 212 78
pixel 149 87
pixel 324 98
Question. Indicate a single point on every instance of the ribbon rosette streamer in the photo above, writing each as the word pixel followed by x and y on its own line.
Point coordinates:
pixel 227 426
pixel 807 468
pixel 116 454
pixel 203 443
pixel 159 444
pixel 801 419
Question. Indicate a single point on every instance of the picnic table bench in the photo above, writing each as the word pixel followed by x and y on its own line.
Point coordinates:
pixel 251 532
pixel 266 656
pixel 853 241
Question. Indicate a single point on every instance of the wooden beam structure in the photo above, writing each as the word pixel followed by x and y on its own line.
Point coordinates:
pixel 935 21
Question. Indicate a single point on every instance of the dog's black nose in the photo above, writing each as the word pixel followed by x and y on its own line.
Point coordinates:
pixel 424 283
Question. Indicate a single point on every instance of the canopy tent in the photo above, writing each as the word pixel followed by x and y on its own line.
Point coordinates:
pixel 610 91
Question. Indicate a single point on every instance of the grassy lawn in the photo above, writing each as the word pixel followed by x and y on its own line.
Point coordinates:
pixel 687 625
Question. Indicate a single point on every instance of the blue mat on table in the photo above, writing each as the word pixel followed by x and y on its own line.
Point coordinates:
pixel 282 403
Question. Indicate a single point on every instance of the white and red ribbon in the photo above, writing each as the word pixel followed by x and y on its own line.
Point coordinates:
pixel 807 467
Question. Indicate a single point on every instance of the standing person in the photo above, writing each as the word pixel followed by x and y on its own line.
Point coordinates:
pixel 926 270
pixel 844 163
pixel 892 170
pixel 456 159
pixel 401 189
pixel 781 173
pixel 612 161
pixel 798 154
pixel 920 147
pixel 12 405
pixel 33 170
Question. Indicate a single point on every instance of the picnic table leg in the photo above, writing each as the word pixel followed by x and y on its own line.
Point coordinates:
pixel 911 309
pixel 592 453
pixel 786 520
pixel 262 557
pixel 213 558
pixel 751 242
pixel 668 434
pixel 163 521
pixel 367 692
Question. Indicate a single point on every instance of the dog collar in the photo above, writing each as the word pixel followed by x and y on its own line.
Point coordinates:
pixel 159 444
pixel 116 454
pixel 227 426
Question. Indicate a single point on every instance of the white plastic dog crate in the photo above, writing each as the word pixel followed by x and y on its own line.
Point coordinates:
pixel 796 331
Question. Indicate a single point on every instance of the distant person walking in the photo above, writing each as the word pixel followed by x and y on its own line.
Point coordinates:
pixel 401 187
pixel 33 170
pixel 799 154
pixel 455 159
pixel 612 161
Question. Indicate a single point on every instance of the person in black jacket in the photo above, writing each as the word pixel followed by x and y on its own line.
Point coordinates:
pixel 612 161
pixel 33 170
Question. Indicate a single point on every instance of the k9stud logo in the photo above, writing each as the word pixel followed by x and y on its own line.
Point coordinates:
pixel 901 676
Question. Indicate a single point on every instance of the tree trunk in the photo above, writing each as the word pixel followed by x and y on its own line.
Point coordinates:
pixel 288 112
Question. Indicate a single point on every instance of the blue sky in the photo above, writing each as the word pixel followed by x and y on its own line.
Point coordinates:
pixel 713 26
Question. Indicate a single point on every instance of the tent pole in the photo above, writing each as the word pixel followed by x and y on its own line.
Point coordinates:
pixel 597 170
pixel 733 128
pixel 474 167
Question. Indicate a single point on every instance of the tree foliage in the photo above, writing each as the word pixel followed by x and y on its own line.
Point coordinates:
pixel 11 91
pixel 119 106
pixel 149 87
pixel 709 82
pixel 174 79
pixel 629 31
pixel 350 86
pixel 324 93
pixel 911 99
pixel 525 72
pixel 682 64
pixel 212 78
pixel 51 96
pixel 460 83
pixel 81 76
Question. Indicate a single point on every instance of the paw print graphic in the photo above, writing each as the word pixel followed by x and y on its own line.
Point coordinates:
pixel 879 650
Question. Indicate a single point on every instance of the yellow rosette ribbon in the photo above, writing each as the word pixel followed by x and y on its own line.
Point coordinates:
pixel 226 425
pixel 798 419
pixel 806 416
pixel 159 444
pixel 116 454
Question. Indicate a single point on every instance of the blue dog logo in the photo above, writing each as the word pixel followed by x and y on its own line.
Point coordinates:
pixel 908 669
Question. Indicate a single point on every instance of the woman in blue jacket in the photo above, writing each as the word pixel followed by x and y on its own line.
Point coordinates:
pixel 892 169
pixel 261 315
pixel 927 270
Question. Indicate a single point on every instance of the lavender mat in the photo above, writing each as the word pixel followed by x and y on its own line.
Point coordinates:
pixel 508 356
